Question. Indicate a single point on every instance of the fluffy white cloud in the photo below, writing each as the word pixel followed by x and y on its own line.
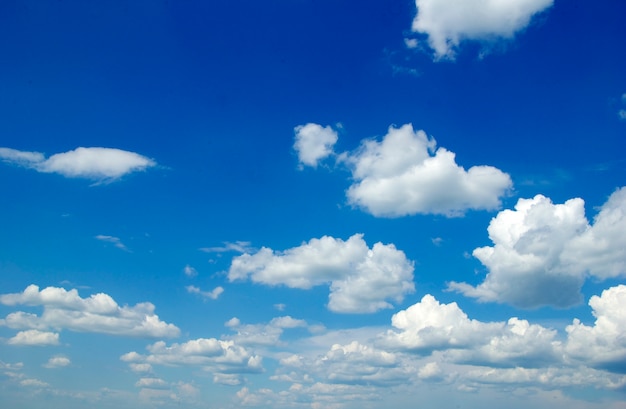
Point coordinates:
pixel 34 337
pixel 99 164
pixel 406 174
pixel 602 345
pixel 361 279
pixel 449 22
pixel 314 143
pixel 99 313
pixel 212 295
pixel 428 326
pixel 57 362
pixel 542 252
pixel 216 356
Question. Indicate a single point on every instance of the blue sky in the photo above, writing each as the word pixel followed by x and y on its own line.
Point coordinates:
pixel 313 204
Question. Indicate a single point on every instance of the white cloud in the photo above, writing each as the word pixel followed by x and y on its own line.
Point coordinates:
pixel 314 143
pixel 57 362
pixel 263 334
pixel 406 174
pixel 216 356
pixel 237 246
pixel 190 271
pixel 154 383
pixel 99 313
pixel 113 240
pixel 35 383
pixel 361 279
pixel 542 252
pixel 212 295
pixel 447 23
pixel 602 345
pixel 34 337
pixel 428 326
pixel 140 368
pixel 99 164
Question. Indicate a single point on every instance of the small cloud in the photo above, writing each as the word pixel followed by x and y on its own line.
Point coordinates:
pixel 238 246
pixel 314 143
pixel 213 295
pixel 140 368
pixel 113 240
pixel 190 271
pixel 280 307
pixel 33 383
pixel 622 114
pixel 411 42
pixel 34 337
pixel 57 362
pixel 437 241
pixel 102 165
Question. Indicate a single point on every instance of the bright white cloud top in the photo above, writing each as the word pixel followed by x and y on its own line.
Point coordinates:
pixel 99 164
pixel 362 280
pixel 448 23
pixel 543 252
pixel 64 309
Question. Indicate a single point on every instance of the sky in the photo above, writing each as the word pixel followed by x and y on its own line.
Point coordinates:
pixel 313 204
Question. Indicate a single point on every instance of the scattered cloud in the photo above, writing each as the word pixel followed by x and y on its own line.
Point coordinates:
pixel 362 280
pixel 213 355
pixel 34 337
pixel 448 23
pixel 543 252
pixel 263 334
pixel 237 246
pixel 314 143
pixel 98 164
pixel 34 383
pixel 99 313
pixel 113 240
pixel 406 174
pixel 190 271
pixel 212 295
pixel 58 361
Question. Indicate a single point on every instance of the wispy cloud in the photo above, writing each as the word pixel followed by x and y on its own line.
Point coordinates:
pixel 213 295
pixel 237 246
pixel 190 271
pixel 113 240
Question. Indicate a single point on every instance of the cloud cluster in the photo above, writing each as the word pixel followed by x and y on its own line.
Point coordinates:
pixel 439 344
pixel 447 23
pixel 64 309
pixel 361 279
pixel 264 334
pixel 221 357
pixel 429 326
pixel 406 174
pixel 543 252
pixel 98 164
